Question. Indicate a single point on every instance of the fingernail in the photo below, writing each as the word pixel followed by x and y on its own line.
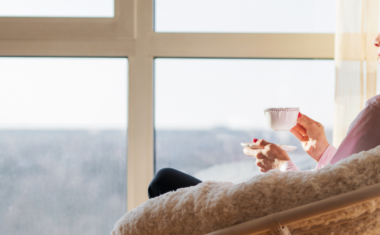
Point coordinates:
pixel 299 114
pixel 254 140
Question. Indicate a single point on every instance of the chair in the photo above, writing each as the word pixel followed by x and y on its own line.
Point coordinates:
pixel 276 223
pixel 343 198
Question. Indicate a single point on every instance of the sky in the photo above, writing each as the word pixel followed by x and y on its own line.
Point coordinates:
pixel 51 93
pixel 189 93
pixel 232 93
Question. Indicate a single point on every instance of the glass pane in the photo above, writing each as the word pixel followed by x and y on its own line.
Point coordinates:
pixel 245 16
pixel 62 145
pixel 57 8
pixel 204 109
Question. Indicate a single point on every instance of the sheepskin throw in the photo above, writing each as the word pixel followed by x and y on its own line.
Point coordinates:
pixel 211 206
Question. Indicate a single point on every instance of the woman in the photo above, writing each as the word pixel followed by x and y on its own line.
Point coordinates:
pixel 363 134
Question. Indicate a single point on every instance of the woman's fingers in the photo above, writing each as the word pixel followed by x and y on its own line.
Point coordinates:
pixel 266 155
pixel 262 143
pixel 267 162
pixel 300 129
pixel 319 124
pixel 257 153
pixel 296 133
pixel 247 151
pixel 305 123
pixel 307 117
pixel 260 156
pixel 299 132
pixel 264 165
pixel 264 162
pixel 250 152
pixel 267 146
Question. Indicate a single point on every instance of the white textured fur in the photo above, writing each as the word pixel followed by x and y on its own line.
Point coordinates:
pixel 211 206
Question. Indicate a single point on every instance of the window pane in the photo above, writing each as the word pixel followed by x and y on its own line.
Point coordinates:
pixel 204 109
pixel 245 16
pixel 57 8
pixel 62 145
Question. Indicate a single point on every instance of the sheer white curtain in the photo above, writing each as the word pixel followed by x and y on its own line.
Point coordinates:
pixel 355 60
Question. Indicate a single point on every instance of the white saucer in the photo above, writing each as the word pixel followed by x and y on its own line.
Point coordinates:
pixel 287 148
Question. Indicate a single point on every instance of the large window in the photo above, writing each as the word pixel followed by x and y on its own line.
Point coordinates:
pixel 142 31
pixel 62 144
pixel 204 109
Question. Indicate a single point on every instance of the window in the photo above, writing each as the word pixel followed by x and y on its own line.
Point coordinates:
pixel 204 109
pixel 130 34
pixel 62 144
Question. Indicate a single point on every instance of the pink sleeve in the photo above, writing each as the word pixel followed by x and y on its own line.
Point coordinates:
pixel 289 166
pixel 326 157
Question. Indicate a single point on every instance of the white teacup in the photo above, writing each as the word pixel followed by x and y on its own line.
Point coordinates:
pixel 281 119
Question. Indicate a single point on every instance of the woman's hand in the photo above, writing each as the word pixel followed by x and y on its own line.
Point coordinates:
pixel 270 156
pixel 312 136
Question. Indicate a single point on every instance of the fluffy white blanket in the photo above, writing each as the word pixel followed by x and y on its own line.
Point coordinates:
pixel 211 206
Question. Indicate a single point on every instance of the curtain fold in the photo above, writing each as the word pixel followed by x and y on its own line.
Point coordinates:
pixel 355 61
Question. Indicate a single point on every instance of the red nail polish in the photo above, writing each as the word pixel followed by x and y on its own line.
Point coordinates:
pixel 254 140
pixel 299 114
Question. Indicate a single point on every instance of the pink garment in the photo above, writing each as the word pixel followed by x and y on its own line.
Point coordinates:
pixel 326 157
pixel 364 131
pixel 363 134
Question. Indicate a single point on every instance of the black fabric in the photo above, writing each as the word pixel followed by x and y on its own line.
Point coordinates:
pixel 168 179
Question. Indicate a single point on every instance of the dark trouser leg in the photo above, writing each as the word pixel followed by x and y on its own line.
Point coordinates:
pixel 169 179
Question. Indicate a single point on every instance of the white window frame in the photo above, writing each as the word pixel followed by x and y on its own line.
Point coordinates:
pixel 130 34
